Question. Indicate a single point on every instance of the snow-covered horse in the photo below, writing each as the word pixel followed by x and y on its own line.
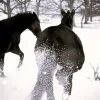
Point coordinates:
pixel 57 45
pixel 10 31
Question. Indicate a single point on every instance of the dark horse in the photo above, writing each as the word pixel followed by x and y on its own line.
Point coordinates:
pixel 57 45
pixel 10 31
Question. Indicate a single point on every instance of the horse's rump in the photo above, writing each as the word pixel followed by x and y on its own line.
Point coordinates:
pixel 66 45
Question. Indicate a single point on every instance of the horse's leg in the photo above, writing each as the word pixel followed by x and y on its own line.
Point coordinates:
pixel 65 79
pixel 49 90
pixel 17 51
pixel 2 65
pixel 67 87
pixel 37 91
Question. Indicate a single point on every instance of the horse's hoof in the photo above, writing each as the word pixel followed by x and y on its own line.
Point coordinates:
pixel 65 96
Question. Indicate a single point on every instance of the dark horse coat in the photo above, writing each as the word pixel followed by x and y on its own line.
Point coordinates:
pixel 59 45
pixel 10 31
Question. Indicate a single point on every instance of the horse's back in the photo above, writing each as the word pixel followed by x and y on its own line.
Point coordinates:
pixel 60 35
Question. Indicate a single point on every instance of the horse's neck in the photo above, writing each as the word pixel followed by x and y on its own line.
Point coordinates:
pixel 20 25
pixel 19 29
pixel 71 28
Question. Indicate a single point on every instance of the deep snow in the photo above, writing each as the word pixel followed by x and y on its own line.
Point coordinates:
pixel 19 84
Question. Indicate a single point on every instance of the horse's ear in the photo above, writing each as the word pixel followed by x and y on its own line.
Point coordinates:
pixel 34 13
pixel 63 12
pixel 73 12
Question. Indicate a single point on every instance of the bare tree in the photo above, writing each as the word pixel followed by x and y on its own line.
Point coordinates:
pixel 58 5
pixel 6 7
pixel 23 5
pixel 90 10
pixel 9 6
pixel 70 4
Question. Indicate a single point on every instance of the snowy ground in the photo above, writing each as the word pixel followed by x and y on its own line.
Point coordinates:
pixel 19 84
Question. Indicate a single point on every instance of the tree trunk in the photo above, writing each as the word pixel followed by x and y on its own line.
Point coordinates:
pixel 60 6
pixel 86 17
pixel 25 6
pixel 37 7
pixel 91 11
pixel 21 6
pixel 86 11
pixel 71 4
pixel 82 21
pixel 71 8
pixel 8 8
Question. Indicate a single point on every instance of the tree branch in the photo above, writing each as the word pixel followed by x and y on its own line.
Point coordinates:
pixel 2 1
pixel 2 10
pixel 79 6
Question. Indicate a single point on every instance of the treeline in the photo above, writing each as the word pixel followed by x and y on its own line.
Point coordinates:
pixel 88 8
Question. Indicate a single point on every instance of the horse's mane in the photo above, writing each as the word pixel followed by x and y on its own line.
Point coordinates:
pixel 23 16
pixel 21 19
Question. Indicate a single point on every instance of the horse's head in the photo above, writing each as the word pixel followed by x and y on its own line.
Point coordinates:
pixel 35 26
pixel 67 18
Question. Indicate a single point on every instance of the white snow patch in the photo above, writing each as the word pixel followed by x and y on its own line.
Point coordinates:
pixel 18 84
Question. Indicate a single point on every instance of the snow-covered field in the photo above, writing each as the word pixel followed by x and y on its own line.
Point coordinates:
pixel 19 84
